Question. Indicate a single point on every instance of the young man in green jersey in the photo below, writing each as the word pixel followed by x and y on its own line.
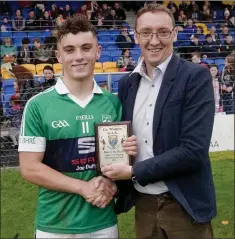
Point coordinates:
pixel 57 143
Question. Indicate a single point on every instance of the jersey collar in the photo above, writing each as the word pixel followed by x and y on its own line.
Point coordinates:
pixel 63 90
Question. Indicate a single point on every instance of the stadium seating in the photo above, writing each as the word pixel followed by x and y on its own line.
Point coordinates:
pixel 98 68
pixel 6 75
pixel 30 67
pixel 109 64
pixel 111 69
pixel 57 67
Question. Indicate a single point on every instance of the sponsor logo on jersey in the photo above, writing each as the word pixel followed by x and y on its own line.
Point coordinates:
pixel 84 117
pixel 106 118
pixel 59 123
pixel 86 149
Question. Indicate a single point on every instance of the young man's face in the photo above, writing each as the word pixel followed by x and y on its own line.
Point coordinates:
pixel 48 74
pixel 196 59
pixel 78 54
pixel 229 39
pixel 37 44
pixel 214 71
pixel 154 50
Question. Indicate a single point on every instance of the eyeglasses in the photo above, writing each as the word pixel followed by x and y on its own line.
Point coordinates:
pixel 160 34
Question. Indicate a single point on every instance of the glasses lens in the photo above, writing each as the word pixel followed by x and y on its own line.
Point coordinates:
pixel 164 34
pixel 145 34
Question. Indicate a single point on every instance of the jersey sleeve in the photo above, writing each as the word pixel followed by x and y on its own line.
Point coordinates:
pixel 32 138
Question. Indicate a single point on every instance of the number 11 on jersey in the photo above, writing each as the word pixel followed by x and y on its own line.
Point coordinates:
pixel 85 127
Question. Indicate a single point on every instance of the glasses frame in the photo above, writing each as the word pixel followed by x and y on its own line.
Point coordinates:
pixel 152 33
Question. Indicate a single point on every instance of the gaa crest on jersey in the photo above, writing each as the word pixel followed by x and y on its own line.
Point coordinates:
pixel 113 140
pixel 106 118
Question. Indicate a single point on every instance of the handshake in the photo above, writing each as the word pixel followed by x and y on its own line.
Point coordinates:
pixel 99 191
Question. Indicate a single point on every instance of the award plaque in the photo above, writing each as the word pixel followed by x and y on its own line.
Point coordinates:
pixel 109 139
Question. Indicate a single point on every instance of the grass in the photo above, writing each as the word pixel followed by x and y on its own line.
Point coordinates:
pixel 18 201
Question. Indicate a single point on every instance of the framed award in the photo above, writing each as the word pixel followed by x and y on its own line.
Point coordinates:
pixel 109 139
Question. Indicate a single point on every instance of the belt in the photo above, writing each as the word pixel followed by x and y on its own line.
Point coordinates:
pixel 166 195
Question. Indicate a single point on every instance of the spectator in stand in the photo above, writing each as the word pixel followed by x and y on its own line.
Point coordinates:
pixel 119 11
pixel 190 28
pixel 194 14
pixel 99 21
pixel 49 78
pixel 50 46
pixel 68 11
pixel 195 44
pixel 8 48
pixel 228 47
pixel 214 35
pixel 196 58
pixel 210 50
pixel 15 112
pixel 182 18
pixel 112 20
pixel 105 10
pixel 40 8
pixel 216 85
pixel 175 13
pixel 227 19
pixel 18 22
pixel 200 33
pixel 5 25
pixel 54 11
pixel 5 8
pixel 32 23
pixel 125 62
pixel 224 33
pixel 60 19
pixel 94 7
pixel 206 14
pixel 183 6
pixel 124 40
pixel 227 84
pixel 25 52
pixel 83 9
pixel 47 22
pixel 28 87
pixel 40 53
pixel 172 4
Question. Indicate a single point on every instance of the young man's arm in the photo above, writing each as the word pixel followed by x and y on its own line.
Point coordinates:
pixel 32 145
pixel 34 171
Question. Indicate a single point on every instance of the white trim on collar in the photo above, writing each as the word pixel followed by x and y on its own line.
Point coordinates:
pixel 63 90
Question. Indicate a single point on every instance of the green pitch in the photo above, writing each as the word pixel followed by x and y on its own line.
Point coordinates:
pixel 18 200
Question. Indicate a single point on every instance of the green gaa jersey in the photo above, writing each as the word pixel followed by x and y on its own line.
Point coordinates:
pixel 57 123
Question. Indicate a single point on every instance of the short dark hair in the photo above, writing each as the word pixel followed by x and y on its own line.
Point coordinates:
pixel 75 24
pixel 214 65
pixel 153 8
pixel 36 40
pixel 196 53
pixel 26 40
pixel 48 67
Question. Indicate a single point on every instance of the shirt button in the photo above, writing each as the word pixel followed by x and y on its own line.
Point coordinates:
pixel 150 105
pixel 147 123
pixel 153 85
pixel 146 141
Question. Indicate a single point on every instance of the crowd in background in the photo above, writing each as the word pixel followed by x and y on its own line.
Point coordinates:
pixel 193 43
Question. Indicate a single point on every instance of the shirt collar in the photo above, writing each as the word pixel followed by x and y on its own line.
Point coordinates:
pixel 63 90
pixel 141 68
